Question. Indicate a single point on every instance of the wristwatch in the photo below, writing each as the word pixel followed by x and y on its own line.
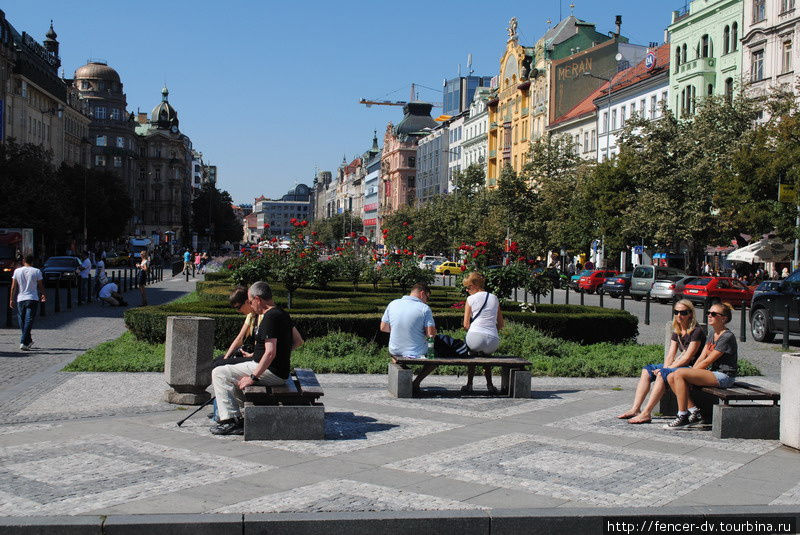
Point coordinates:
pixel 254 378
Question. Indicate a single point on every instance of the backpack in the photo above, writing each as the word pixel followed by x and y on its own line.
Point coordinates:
pixel 447 347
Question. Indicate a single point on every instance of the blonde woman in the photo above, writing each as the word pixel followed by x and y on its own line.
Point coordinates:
pixel 684 347
pixel 716 366
pixel 483 319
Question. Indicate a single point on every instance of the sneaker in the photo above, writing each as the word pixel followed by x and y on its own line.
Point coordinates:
pixel 23 347
pixel 696 417
pixel 234 426
pixel 679 421
pixel 30 346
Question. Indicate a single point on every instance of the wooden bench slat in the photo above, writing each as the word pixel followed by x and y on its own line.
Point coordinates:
pixel 255 390
pixel 759 389
pixel 309 385
pixel 501 361
pixel 742 392
pixel 287 389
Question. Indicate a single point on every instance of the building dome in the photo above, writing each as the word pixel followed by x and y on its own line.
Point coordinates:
pixel 97 70
pixel 164 115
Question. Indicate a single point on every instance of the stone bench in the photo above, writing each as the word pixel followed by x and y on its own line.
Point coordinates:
pixel 515 379
pixel 287 412
pixel 739 420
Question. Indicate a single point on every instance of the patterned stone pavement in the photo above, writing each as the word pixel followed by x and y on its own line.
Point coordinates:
pixel 79 449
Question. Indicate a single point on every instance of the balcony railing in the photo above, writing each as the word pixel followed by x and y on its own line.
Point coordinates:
pixel 695 67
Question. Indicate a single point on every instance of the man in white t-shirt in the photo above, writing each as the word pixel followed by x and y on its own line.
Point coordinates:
pixel 110 294
pixel 27 290
pixel 85 271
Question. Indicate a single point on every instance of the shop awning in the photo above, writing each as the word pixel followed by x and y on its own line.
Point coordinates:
pixel 763 251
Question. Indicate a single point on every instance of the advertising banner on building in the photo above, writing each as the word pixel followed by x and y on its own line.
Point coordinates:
pixel 570 85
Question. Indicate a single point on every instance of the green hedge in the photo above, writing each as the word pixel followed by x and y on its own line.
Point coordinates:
pixel 224 275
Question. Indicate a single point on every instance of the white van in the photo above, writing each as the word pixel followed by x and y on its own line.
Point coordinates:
pixel 644 276
pixel 427 261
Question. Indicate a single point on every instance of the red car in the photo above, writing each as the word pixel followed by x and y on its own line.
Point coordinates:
pixel 591 282
pixel 717 290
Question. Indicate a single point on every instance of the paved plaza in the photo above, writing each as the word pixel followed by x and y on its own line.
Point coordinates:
pixel 106 444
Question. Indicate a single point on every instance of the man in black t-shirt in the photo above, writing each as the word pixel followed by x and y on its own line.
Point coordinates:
pixel 270 365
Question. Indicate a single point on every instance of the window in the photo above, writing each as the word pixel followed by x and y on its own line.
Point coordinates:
pixel 710 89
pixel 757 66
pixel 117 161
pixel 735 36
pixel 115 114
pixel 622 116
pixel 157 173
pixel 786 60
pixel 593 138
pixel 729 90
pixel 101 141
pixel 85 84
pixel 643 108
pixel 705 47
pixel 99 160
pixel 677 58
pixel 786 5
pixel 412 161
pixel 613 119
pixel 633 109
pixel 120 142
pixel 100 112
pixel 664 98
pixel 604 125
pixel 759 10
pixel 683 53
pixel 653 107
pixel 586 142
pixel 726 40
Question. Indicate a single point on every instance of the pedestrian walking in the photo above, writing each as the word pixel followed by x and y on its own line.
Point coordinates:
pixel 27 290
pixel 187 262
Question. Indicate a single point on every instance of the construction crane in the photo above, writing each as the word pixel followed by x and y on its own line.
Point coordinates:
pixel 369 102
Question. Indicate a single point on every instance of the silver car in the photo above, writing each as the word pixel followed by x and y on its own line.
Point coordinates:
pixel 663 290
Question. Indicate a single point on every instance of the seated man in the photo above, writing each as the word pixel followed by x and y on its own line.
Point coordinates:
pixel 269 365
pixel 409 321
pixel 109 293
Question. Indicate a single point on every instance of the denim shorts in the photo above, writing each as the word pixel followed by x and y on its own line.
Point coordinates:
pixel 724 380
pixel 652 370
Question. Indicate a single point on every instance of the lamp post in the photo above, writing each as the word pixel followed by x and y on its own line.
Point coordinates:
pixel 618 57
pixel 212 180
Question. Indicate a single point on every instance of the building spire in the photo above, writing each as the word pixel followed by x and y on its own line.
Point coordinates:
pixel 164 93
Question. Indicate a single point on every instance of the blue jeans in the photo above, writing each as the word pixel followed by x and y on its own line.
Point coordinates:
pixel 26 313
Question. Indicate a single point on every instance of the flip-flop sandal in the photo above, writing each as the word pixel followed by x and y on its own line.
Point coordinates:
pixel 640 421
pixel 626 417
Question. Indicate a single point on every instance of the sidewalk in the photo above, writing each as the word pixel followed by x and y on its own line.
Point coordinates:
pixel 106 444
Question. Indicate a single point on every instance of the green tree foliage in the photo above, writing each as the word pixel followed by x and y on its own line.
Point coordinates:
pixel 211 208
pixel 333 230
pixel 108 206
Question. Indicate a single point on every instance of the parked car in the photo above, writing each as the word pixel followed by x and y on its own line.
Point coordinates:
pixel 618 285
pixel 61 268
pixel 448 268
pixel 594 280
pixel 117 260
pixel 644 277
pixel 680 284
pixel 766 286
pixel 663 290
pixel 768 308
pixel 717 290
pixel 573 280
pixel 427 261
pixel 559 280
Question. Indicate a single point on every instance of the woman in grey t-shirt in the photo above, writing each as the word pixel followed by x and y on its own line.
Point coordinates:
pixel 716 365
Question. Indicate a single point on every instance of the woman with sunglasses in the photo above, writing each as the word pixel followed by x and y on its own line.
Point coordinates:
pixel 684 347
pixel 244 340
pixel 716 366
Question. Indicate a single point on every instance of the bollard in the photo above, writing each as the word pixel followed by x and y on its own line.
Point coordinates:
pixel 124 281
pixel 567 297
pixel 69 295
pixel 8 308
pixel 647 308
pixel 58 295
pixel 581 296
pixel 161 273
pixel 743 323
pixel 601 298
pixel 187 274
pixel 89 288
pixel 552 294
pixel 786 328
pixel 526 295
pixel 79 281
pixel 192 269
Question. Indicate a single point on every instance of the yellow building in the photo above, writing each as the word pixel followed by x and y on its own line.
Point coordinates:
pixel 509 125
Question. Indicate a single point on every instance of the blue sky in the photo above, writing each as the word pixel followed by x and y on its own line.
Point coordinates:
pixel 269 90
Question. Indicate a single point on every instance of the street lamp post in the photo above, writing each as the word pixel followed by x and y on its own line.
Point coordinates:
pixel 618 57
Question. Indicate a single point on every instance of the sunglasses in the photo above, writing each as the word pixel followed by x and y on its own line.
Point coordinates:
pixel 681 312
pixel 715 314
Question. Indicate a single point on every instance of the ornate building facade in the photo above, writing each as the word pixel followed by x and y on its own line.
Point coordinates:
pixel 164 188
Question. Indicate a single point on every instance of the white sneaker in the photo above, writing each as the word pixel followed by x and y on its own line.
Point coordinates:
pixel 23 347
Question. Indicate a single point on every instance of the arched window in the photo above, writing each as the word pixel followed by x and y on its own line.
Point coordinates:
pixel 735 37
pixel 677 58
pixel 729 90
pixel 683 55
pixel 726 38
pixel 710 89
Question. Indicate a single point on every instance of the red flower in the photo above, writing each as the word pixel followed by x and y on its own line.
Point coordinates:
pixel 273 240
pixel 475 254
pixel 230 266
pixel 318 243
pixel 352 234
pixel 303 255
pixel 304 223
pixel 299 236
pixel 313 232
pixel 405 223
pixel 405 251
pixel 421 255
pixel 293 220
pixel 410 237
pixel 463 268
pixel 521 259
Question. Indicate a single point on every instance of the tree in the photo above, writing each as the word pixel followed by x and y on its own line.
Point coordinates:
pixel 105 198
pixel 212 209
pixel 333 230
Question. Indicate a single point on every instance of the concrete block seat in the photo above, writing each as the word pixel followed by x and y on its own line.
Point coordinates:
pixel 515 378
pixel 743 419
pixel 287 412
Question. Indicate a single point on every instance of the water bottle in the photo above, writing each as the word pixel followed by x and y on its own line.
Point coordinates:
pixel 430 353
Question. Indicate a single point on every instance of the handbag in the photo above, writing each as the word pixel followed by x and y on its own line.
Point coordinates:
pixel 447 347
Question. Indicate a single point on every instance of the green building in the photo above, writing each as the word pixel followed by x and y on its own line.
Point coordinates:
pixel 706 53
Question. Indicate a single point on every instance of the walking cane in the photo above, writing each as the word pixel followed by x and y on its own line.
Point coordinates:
pixel 196 411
